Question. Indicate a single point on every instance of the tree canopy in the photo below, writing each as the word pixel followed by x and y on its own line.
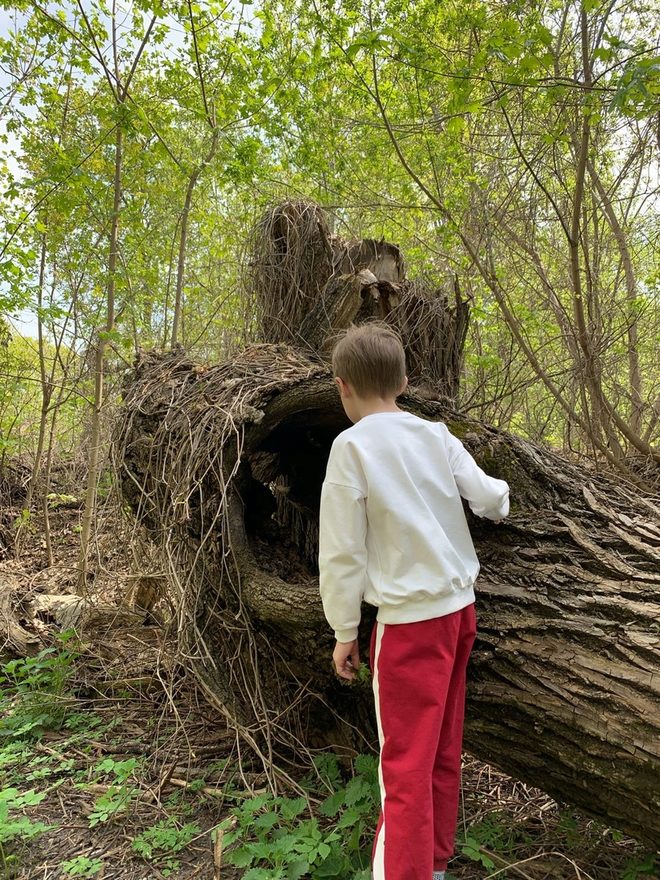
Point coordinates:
pixel 513 147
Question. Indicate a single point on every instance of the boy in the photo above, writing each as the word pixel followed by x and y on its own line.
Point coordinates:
pixel 393 532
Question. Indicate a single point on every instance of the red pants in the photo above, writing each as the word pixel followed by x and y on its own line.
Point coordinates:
pixel 419 690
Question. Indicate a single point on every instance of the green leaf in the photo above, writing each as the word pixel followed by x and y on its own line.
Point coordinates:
pixel 241 857
pixel 292 807
pixel 82 866
pixel 266 821
pixel 261 874
pixel 603 54
pixel 296 870
pixel 332 804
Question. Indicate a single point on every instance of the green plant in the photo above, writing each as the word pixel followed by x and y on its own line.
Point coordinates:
pixel 160 843
pixel 119 794
pixel 23 519
pixel 274 841
pixel 568 826
pixel 86 722
pixel 33 698
pixel 56 499
pixel 363 675
pixel 17 827
pixel 82 866
pixel 13 754
pixel 496 833
pixel 112 802
pixel 642 866
pixel 471 848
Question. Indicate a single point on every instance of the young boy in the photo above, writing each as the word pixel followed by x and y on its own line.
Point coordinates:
pixel 393 533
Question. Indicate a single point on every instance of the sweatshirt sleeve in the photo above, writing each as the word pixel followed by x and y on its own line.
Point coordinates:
pixel 487 496
pixel 342 550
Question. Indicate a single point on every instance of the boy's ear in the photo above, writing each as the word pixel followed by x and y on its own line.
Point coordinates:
pixel 403 386
pixel 344 388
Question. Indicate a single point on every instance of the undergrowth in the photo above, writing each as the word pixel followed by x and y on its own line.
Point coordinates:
pixel 325 833
pixel 284 839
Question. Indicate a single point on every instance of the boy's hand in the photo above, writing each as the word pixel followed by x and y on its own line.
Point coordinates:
pixel 346 659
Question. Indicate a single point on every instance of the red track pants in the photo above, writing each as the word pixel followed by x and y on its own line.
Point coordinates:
pixel 419 690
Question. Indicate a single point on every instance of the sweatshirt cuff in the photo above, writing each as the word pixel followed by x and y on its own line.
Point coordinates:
pixel 499 512
pixel 346 635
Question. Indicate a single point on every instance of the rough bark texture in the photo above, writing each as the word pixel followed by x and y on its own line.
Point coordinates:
pixel 225 465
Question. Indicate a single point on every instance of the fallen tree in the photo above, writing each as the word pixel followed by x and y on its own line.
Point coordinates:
pixel 224 464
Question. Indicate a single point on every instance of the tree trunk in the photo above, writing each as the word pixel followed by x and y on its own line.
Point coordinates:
pixel 46 383
pixel 224 464
pixel 185 215
pixel 99 374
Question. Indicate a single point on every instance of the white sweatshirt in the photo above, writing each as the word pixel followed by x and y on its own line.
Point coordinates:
pixel 392 527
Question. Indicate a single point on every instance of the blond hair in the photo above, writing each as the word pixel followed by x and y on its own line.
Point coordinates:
pixel 371 359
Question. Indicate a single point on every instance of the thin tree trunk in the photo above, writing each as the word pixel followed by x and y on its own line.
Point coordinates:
pixel 589 366
pixel 178 296
pixel 168 286
pixel 634 371
pixel 99 374
pixel 46 385
pixel 603 410
pixel 181 264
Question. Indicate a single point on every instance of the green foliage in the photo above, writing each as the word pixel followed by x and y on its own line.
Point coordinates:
pixel 161 843
pixel 493 834
pixel 646 865
pixel 21 400
pixel 57 499
pixel 82 866
pixel 298 92
pixel 638 89
pixel 14 827
pixel 471 848
pixel 273 838
pixel 120 793
pixel 33 691
pixel 34 698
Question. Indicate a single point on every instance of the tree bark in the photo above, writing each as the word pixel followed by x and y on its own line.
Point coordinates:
pixel 224 464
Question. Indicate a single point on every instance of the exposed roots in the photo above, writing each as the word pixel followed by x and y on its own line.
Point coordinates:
pixel 433 334
pixel 290 262
pixel 179 454
pixel 305 285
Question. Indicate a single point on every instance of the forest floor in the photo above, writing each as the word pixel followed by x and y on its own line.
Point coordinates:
pixel 130 770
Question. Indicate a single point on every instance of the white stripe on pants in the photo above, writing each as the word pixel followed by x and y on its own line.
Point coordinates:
pixel 379 849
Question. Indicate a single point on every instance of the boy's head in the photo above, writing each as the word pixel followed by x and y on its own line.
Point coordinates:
pixel 370 360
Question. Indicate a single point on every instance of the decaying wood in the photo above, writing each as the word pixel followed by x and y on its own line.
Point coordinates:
pixel 224 465
pixel 17 639
pixel 26 615
pixel 383 259
pixel 69 611
pixel 306 285
pixel 347 299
